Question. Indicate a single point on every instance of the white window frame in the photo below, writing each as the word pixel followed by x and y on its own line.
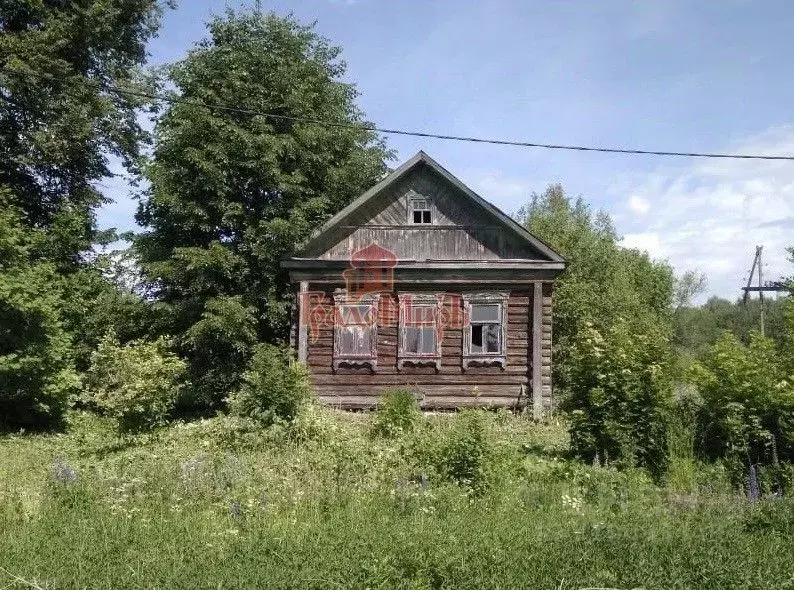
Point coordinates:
pixel 411 199
pixel 408 300
pixel 471 358
pixel 368 357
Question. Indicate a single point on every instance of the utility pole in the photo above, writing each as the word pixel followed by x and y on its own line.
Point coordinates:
pixel 774 286
pixel 758 251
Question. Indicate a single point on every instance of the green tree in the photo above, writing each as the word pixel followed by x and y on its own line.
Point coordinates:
pixel 233 191
pixel 619 396
pixel 59 121
pixel 603 282
pixel 36 376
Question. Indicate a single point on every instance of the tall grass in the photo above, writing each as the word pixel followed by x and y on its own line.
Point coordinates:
pixel 321 504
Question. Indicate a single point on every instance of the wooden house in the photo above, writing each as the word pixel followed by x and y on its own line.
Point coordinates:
pixel 421 283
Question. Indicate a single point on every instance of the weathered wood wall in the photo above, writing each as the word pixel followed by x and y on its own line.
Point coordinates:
pixel 452 387
pixel 458 232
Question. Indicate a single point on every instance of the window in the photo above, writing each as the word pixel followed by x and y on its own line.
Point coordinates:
pixel 485 332
pixel 355 330
pixel 421 211
pixel 419 334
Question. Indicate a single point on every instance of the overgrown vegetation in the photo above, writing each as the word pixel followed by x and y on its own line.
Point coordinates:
pixel 620 394
pixel 231 196
pixel 273 388
pixel 137 384
pixel 397 413
pixel 220 502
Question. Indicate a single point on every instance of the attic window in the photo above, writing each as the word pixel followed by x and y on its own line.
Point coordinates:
pixel 421 211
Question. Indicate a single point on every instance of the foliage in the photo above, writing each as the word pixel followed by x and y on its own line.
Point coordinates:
pixel 36 376
pixel 233 193
pixel 273 388
pixel 463 455
pixel 619 397
pixel 136 384
pixel 397 413
pixel 198 509
pixel 698 328
pixel 59 122
pixel 603 282
pixel 218 347
pixel 747 415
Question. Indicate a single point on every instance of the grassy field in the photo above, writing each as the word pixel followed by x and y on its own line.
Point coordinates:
pixel 324 504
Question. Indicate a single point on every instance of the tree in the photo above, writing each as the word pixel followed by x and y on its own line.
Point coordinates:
pixel 612 313
pixel 36 376
pixel 60 123
pixel 619 396
pixel 234 191
pixel 59 120
pixel 687 287
pixel 603 283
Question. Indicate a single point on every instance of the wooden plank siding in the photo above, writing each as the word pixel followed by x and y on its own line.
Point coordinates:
pixel 457 231
pixel 360 387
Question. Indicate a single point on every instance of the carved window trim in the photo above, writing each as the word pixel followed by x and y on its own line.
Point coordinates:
pixel 479 358
pixel 368 357
pixel 410 206
pixel 430 300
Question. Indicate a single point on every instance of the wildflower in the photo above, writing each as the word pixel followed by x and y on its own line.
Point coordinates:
pixel 236 509
pixel 752 488
pixel 62 472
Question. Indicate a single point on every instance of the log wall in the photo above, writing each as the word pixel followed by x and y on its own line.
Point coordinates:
pixel 452 387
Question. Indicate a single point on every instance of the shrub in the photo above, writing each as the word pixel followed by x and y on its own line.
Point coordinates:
pixel 619 397
pixel 273 388
pixel 398 412
pixel 748 403
pixel 463 455
pixel 136 384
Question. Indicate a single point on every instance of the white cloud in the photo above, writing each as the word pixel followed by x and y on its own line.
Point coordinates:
pixel 639 205
pixel 494 187
pixel 649 242
pixel 710 215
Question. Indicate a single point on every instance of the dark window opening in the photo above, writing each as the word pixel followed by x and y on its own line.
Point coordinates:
pixel 421 211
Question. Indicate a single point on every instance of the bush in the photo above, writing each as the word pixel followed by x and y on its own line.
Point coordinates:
pixel 463 455
pixel 619 397
pixel 136 384
pixel 748 402
pixel 273 388
pixel 399 412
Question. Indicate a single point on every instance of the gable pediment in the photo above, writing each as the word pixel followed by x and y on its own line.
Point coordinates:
pixel 464 226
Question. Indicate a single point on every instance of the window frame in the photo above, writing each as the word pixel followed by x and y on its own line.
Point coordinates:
pixel 480 358
pixel 369 357
pixel 429 300
pixel 430 209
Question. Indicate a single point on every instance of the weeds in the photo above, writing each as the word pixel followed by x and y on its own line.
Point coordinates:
pixel 473 500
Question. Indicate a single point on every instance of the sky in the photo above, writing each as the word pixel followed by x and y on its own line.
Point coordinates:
pixel 664 75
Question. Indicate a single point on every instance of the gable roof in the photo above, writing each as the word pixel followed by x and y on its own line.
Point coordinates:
pixel 419 159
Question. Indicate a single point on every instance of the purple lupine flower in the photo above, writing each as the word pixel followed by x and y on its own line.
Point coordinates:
pixel 62 472
pixel 236 509
pixel 753 492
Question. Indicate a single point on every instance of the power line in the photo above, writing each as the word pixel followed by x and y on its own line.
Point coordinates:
pixel 429 135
